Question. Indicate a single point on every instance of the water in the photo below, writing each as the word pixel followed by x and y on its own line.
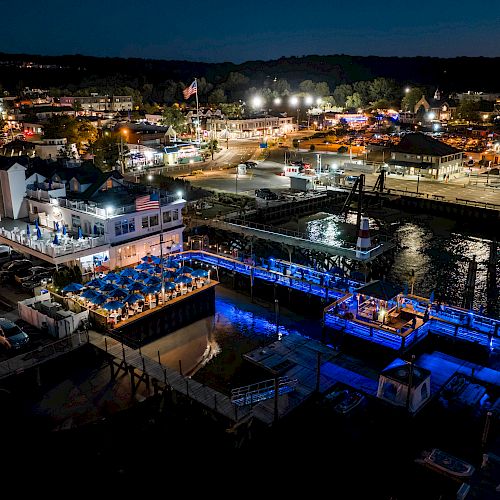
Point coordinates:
pixel 437 249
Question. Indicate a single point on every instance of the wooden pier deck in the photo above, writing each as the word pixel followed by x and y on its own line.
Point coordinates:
pixel 263 411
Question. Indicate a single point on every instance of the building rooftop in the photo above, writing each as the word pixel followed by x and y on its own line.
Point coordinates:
pixel 399 370
pixel 421 144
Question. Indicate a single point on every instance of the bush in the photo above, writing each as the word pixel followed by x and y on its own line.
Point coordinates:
pixel 312 147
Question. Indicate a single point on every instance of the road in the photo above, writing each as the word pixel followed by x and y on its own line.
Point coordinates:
pixel 266 174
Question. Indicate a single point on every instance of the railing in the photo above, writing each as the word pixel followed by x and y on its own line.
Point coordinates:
pixel 254 393
pixel 351 253
pixel 47 247
pixel 27 360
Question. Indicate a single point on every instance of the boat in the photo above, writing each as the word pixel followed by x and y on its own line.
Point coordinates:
pixel 350 400
pixel 447 464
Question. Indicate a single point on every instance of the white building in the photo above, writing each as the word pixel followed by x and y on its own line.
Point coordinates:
pixel 265 126
pixel 114 230
pixel 51 149
pixel 96 102
pixel 13 187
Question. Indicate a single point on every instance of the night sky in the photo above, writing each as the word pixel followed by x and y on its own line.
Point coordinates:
pixel 239 30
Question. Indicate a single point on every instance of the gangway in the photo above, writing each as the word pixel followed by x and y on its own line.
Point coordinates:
pixel 253 393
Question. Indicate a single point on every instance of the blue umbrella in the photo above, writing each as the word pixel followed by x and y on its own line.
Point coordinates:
pixel 28 230
pixel 64 230
pixel 146 258
pixel 199 273
pixel 169 274
pixel 151 289
pixel 134 297
pixel 154 270
pixel 183 279
pixel 155 259
pixel 113 305
pixel 118 293
pixel 405 289
pixel 185 270
pixel 96 231
pixel 108 287
pixel 111 277
pixel 169 286
pixel 142 276
pixel 36 222
pixel 98 299
pixel 80 234
pixel 136 286
pixel 123 281
pixel 56 239
pixel 143 266
pixel 128 272
pixel 87 294
pixel 38 233
pixel 57 227
pixel 72 287
pixel 95 283
pixel 152 280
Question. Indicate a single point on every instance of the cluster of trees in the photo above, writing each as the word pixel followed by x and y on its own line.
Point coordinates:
pixel 103 146
pixel 66 275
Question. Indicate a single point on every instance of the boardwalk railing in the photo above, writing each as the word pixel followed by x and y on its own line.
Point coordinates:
pixel 200 393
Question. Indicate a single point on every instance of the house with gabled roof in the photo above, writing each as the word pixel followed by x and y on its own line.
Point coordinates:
pixel 420 154
pixel 437 109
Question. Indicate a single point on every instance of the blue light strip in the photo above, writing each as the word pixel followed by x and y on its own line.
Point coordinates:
pixel 449 321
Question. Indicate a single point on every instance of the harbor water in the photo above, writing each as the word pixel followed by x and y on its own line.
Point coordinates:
pixel 436 249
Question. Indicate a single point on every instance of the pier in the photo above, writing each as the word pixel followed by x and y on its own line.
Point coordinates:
pixel 450 321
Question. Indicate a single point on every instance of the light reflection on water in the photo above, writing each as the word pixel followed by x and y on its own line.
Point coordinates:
pixel 437 253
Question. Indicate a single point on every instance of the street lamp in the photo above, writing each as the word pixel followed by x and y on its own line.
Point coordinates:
pixel 257 102
pixel 277 101
pixel 407 89
pixel 418 179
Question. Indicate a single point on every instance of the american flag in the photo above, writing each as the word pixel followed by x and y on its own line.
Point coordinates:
pixel 147 202
pixel 189 91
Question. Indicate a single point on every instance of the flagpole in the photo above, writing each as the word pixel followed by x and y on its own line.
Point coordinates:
pixel 197 114
pixel 161 251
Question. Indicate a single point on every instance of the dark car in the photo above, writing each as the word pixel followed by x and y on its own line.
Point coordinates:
pixel 250 164
pixel 266 194
pixel 15 265
pixel 35 273
pixel 12 335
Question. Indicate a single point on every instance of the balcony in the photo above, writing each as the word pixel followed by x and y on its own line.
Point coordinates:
pixel 45 245
pixel 46 191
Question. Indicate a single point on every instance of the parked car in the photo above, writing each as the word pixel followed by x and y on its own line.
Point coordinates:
pixel 12 334
pixel 36 273
pixel 266 194
pixel 351 179
pixel 15 265
pixel 250 164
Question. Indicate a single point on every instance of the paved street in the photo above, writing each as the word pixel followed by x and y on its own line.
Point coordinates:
pixel 266 174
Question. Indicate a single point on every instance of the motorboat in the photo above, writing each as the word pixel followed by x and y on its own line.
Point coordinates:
pixel 349 400
pixel 447 464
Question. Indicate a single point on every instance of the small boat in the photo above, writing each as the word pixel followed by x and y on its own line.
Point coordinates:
pixel 447 464
pixel 350 400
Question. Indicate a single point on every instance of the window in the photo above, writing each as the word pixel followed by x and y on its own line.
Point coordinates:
pixel 75 221
pixel 167 217
pixel 175 214
pixel 124 226
pixel 130 251
pixel 100 227
pixel 145 222
pixel 153 221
